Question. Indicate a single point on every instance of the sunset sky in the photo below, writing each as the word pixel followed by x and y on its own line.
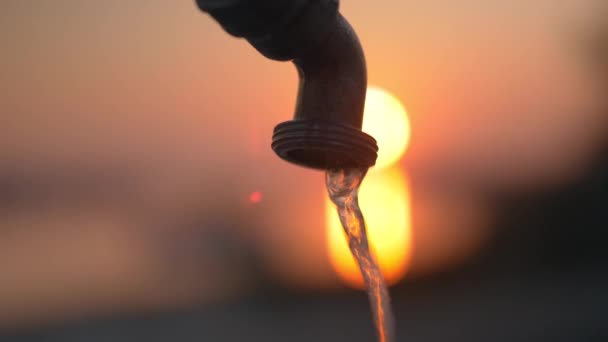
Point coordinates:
pixel 498 93
pixel 157 73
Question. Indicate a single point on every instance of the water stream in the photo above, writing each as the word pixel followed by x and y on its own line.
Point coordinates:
pixel 343 188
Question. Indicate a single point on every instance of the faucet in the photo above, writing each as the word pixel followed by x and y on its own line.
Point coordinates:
pixel 325 132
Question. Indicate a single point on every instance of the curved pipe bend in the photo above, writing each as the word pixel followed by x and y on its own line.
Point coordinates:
pixel 326 130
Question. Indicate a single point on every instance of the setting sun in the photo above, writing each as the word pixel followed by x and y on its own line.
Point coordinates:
pixel 384 197
pixel 386 120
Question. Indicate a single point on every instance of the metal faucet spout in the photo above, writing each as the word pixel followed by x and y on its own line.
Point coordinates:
pixel 325 132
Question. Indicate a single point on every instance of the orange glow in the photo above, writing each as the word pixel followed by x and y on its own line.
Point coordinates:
pixel 386 120
pixel 255 197
pixel 385 202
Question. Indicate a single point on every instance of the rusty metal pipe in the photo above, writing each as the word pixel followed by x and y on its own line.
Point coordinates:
pixel 325 132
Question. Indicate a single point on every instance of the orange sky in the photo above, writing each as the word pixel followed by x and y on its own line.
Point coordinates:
pixel 158 85
pixel 165 67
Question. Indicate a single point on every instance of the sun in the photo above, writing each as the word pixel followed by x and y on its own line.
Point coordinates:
pixel 386 120
pixel 384 197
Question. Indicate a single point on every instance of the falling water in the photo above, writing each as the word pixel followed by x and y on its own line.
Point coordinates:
pixel 343 187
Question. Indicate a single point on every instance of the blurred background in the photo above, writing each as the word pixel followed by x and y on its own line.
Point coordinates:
pixel 140 199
